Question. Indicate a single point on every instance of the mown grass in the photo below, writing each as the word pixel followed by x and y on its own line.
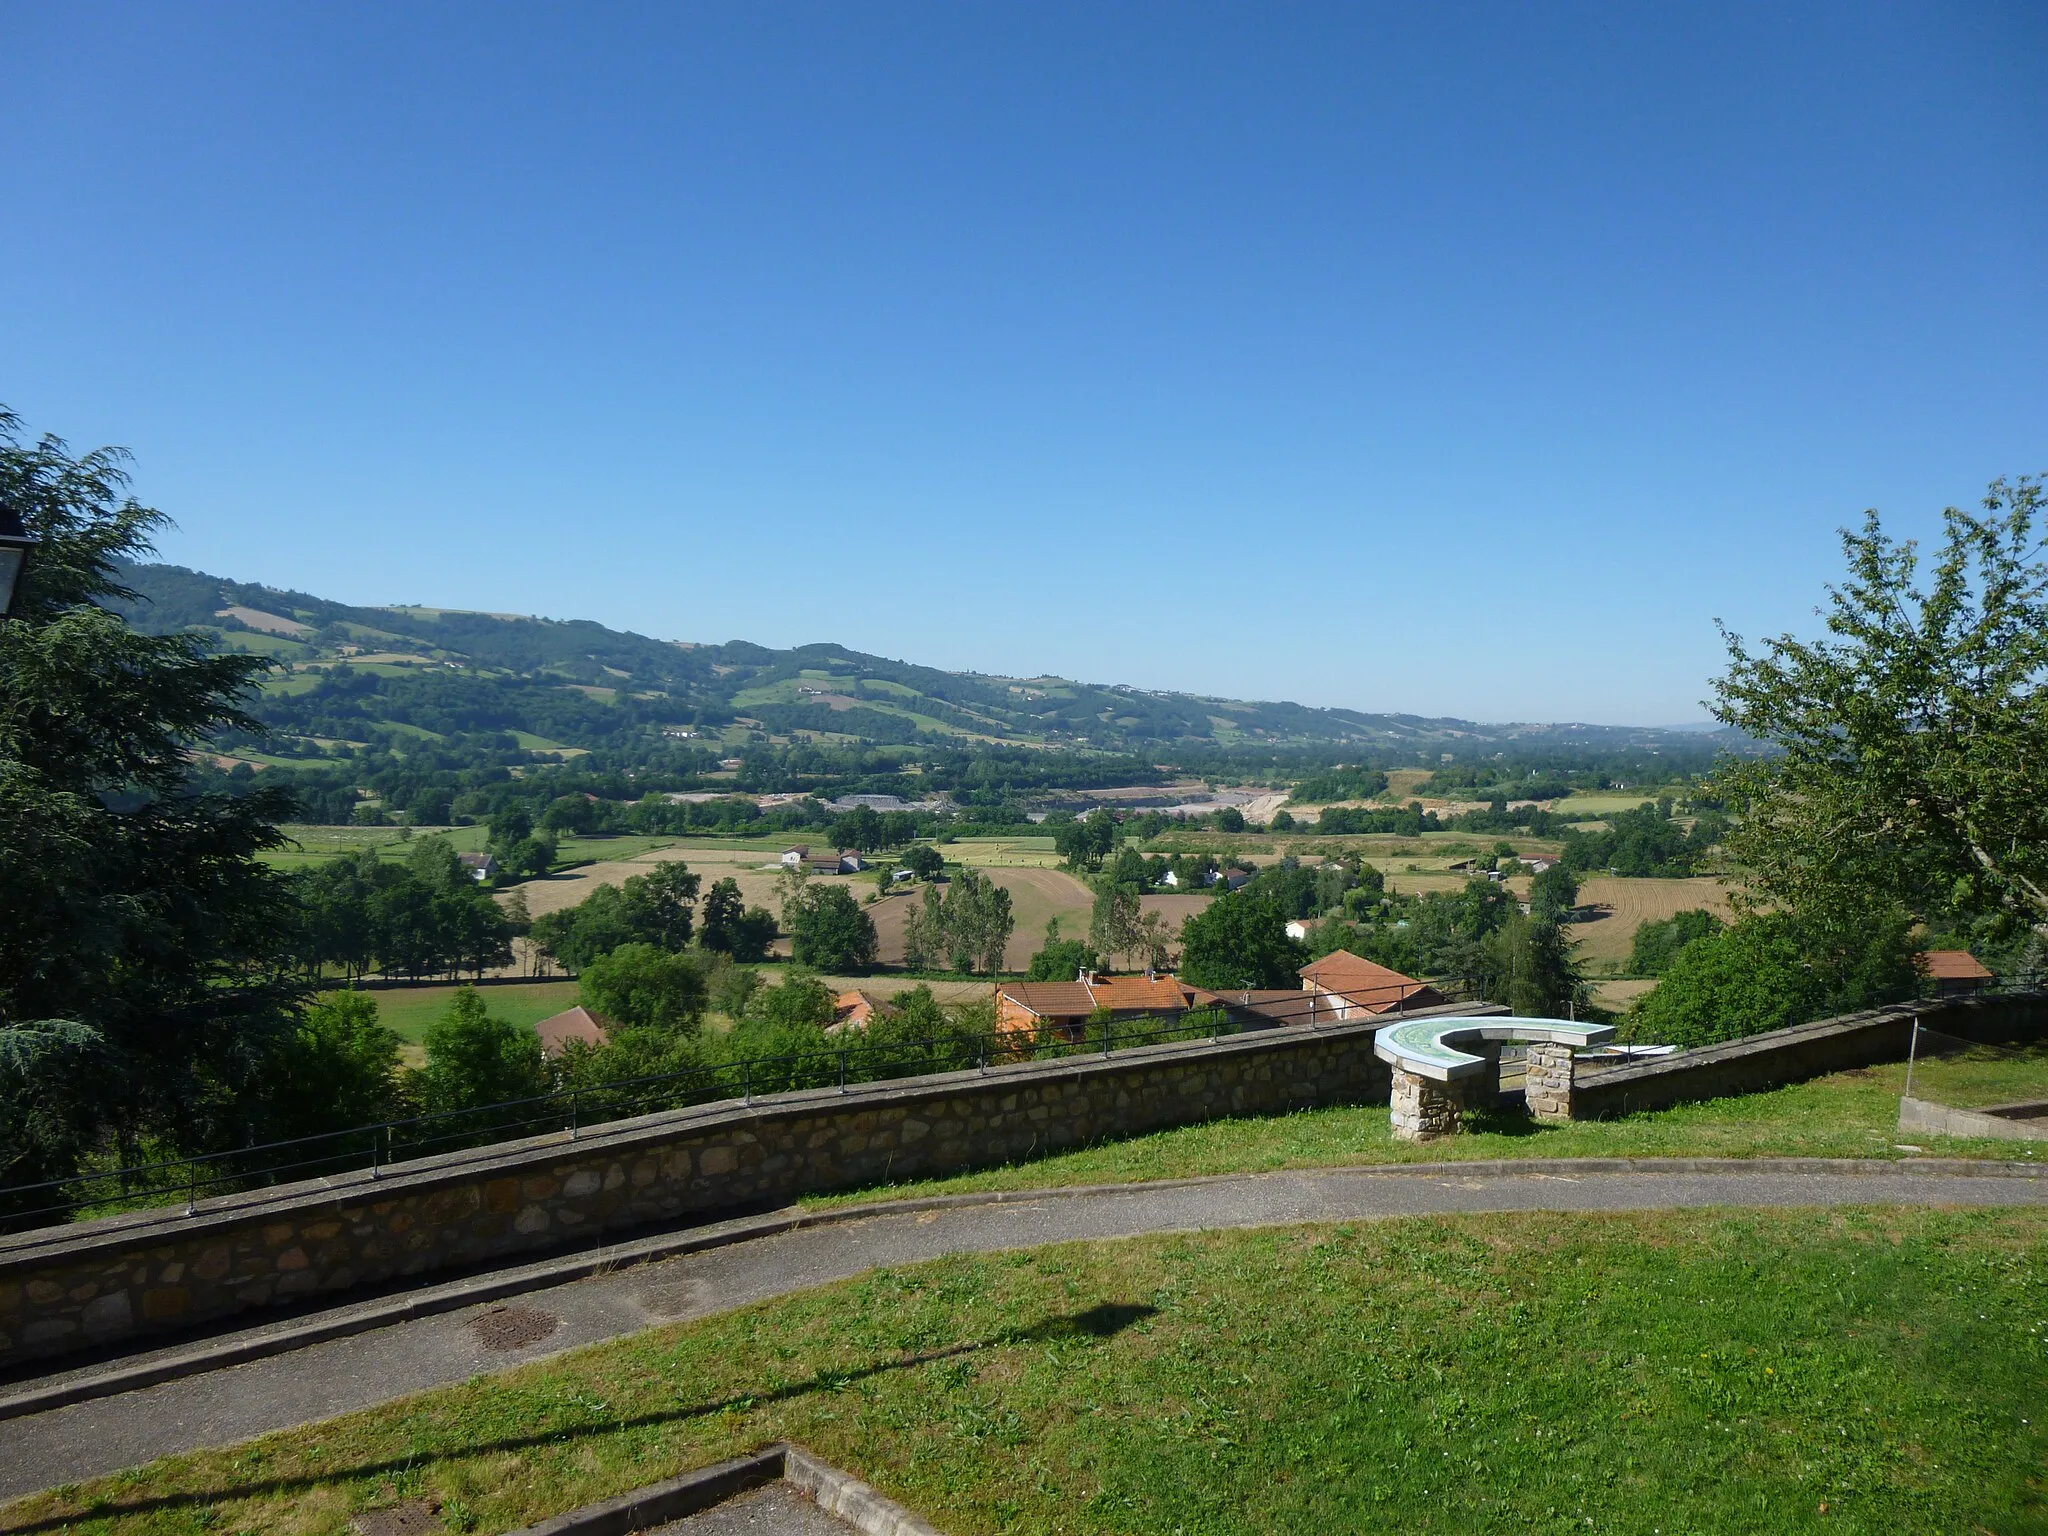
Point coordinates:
pixel 407 1011
pixel 1850 1370
pixel 1847 1114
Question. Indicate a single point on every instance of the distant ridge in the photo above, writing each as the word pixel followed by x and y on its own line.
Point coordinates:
pixel 488 670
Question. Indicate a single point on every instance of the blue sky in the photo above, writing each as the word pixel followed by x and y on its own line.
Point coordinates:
pixel 1458 360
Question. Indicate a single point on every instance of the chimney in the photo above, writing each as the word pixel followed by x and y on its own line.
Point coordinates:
pixel 1086 978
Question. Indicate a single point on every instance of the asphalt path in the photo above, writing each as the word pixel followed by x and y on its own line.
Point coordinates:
pixel 231 1404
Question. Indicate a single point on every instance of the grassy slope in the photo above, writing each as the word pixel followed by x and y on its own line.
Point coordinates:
pixel 1869 1371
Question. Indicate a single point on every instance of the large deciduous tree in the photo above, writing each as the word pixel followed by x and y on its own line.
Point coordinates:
pixel 1913 736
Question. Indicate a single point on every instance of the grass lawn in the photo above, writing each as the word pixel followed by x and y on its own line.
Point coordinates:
pixel 407 1011
pixel 1868 1371
pixel 1848 1114
pixel 316 844
pixel 606 849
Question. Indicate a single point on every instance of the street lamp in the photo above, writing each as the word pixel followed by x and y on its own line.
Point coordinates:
pixel 15 544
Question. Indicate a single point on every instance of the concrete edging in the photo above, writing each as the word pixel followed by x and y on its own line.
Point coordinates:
pixel 88 1383
pixel 839 1493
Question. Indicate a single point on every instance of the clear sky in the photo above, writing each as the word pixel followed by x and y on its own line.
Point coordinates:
pixel 1451 359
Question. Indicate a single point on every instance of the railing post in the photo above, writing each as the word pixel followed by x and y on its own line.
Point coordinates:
pixel 1108 1031
pixel 377 1134
pixel 575 1119
pixel 747 1078
pixel 842 1070
pixel 192 1188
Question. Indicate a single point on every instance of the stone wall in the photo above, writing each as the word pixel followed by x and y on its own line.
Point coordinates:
pixel 1793 1055
pixel 102 1282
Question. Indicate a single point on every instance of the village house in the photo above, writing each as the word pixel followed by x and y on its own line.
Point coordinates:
pixel 481 867
pixel 1954 971
pixel 856 1009
pixel 1343 984
pixel 572 1024
pixel 798 855
pixel 843 862
pixel 1028 1007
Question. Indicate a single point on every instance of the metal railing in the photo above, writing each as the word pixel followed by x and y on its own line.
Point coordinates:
pixel 578 1106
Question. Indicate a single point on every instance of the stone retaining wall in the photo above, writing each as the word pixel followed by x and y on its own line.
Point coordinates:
pixel 102 1282
pixel 1793 1055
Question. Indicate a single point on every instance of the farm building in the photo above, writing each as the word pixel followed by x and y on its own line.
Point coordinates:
pixel 1352 983
pixel 843 862
pixel 480 867
pixel 798 855
pixel 1029 1006
pixel 1953 971
pixel 854 1010
pixel 572 1024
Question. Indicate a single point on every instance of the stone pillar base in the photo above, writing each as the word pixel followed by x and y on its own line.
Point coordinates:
pixel 1425 1109
pixel 1548 1090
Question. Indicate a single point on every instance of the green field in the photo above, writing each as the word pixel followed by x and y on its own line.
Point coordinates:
pixel 316 845
pixel 1704 1371
pixel 1002 853
pixel 407 1011
pixel 608 849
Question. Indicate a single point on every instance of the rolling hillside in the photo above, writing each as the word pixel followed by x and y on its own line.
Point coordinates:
pixel 560 687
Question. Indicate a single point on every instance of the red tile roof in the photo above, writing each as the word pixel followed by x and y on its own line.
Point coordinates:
pixel 1119 994
pixel 1371 986
pixel 1953 965
pixel 577 1023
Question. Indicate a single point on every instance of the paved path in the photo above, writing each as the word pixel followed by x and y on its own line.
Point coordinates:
pixel 223 1406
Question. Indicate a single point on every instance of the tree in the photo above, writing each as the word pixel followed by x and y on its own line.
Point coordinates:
pixel 474 1059
pixel 1529 967
pixel 1240 941
pixel 1229 819
pixel 859 828
pixel 924 861
pixel 1911 739
pixel 660 906
pixel 829 931
pixel 1657 944
pixel 142 943
pixel 1116 927
pixel 801 1001
pixel 1553 894
pixel 977 922
pixel 340 1071
pixel 1061 959
pixel 642 986
pixel 1283 821
pixel 723 908
pixel 1085 844
pixel 1771 970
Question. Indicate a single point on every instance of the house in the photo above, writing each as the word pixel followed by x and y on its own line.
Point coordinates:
pixel 1954 971
pixel 1353 984
pixel 572 1024
pixel 843 862
pixel 481 867
pixel 1027 1007
pixel 1537 863
pixel 853 1010
pixel 1260 1009
pixel 1298 927
pixel 1170 880
pixel 1238 879
pixel 800 854
pixel 731 764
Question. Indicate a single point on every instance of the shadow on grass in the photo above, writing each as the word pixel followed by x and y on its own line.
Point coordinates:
pixel 1098 1322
